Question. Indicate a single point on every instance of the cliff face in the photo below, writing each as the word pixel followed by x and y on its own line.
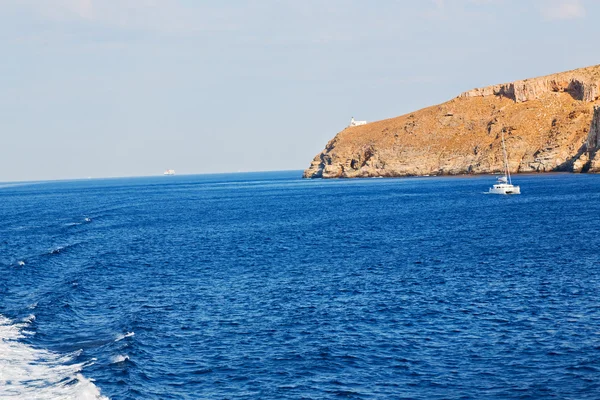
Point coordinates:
pixel 550 123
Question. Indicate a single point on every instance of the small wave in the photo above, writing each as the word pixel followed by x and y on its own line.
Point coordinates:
pixel 123 336
pixel 29 319
pixel 85 221
pixel 62 249
pixel 56 250
pixel 30 373
pixel 119 359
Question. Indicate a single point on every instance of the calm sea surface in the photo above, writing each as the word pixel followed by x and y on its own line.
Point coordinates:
pixel 268 286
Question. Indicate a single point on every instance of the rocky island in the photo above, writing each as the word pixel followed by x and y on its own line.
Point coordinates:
pixel 550 123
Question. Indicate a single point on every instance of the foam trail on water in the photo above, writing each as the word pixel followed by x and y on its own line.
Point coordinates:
pixel 30 373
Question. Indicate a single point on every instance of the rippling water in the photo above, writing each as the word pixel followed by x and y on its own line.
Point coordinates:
pixel 268 286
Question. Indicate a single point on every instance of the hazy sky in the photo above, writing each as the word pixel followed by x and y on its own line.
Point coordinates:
pixel 132 87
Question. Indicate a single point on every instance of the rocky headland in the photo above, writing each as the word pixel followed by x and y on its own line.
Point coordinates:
pixel 550 123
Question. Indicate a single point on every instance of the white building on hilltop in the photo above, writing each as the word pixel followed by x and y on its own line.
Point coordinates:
pixel 356 123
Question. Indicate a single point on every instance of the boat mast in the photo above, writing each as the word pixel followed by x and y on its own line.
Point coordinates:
pixel 506 171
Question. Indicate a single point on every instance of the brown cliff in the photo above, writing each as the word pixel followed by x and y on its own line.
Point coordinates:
pixel 550 123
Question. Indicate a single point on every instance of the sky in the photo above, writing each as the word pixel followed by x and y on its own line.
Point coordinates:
pixel 104 88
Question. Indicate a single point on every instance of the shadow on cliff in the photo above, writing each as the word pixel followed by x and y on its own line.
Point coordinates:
pixel 569 164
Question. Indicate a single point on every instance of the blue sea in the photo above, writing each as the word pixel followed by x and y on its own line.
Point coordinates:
pixel 267 286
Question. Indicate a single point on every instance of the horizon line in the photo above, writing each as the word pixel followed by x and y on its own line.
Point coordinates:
pixel 144 176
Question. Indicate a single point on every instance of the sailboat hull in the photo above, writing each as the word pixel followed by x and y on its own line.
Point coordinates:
pixel 505 189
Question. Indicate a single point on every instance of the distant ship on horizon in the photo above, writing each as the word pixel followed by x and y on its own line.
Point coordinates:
pixel 169 172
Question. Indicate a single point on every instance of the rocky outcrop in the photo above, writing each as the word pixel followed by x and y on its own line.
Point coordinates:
pixel 533 89
pixel 550 123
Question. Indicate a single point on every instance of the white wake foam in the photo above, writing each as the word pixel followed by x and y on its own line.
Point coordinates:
pixel 30 373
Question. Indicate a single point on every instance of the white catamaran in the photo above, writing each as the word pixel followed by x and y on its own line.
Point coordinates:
pixel 504 183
